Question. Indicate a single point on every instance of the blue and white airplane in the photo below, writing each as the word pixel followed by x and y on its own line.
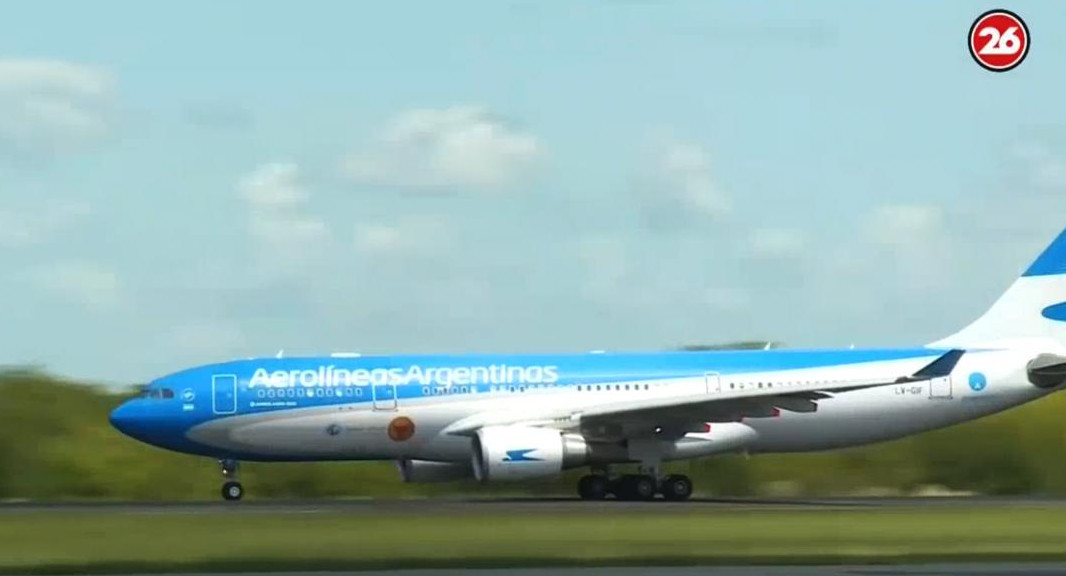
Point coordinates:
pixel 496 417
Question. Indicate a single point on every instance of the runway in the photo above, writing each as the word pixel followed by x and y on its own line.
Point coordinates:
pixel 995 569
pixel 512 506
pixel 333 536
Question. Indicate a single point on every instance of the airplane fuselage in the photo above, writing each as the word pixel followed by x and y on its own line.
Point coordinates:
pixel 349 408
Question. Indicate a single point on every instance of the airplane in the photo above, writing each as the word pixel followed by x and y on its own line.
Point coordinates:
pixel 492 417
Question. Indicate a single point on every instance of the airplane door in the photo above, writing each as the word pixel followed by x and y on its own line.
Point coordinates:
pixel 224 393
pixel 385 396
pixel 713 382
pixel 940 388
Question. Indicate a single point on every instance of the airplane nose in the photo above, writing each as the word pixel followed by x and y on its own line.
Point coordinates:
pixel 124 419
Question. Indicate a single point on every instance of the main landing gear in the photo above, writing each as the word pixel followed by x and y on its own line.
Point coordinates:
pixel 675 487
pixel 231 488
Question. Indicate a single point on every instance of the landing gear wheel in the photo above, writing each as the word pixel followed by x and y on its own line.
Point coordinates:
pixel 635 487
pixel 677 487
pixel 592 487
pixel 643 487
pixel 232 491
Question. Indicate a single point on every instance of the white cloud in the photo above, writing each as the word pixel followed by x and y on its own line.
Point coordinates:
pixel 275 198
pixel 910 240
pixel 1045 169
pixel 283 232
pixel 777 242
pixel 906 225
pixel 459 147
pixel 86 284
pixel 411 235
pixel 275 185
pixel 53 106
pixel 26 227
pixel 678 186
pixel 687 170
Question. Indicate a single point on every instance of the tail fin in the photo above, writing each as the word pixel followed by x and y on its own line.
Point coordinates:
pixel 1033 307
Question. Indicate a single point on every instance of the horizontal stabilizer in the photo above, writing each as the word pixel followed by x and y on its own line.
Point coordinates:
pixel 938 368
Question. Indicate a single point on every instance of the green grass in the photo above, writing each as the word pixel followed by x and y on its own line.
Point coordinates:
pixel 95 541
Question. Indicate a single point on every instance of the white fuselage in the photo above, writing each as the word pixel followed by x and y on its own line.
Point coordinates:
pixel 847 419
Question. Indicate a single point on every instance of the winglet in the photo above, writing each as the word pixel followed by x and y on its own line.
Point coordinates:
pixel 938 368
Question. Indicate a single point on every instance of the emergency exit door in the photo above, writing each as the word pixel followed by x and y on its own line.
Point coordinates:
pixel 940 388
pixel 713 382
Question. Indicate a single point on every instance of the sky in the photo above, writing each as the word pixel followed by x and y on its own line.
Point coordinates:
pixel 190 182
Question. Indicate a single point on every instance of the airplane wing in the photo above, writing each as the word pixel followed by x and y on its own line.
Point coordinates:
pixel 678 415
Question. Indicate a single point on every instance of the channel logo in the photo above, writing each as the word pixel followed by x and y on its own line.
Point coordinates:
pixel 999 40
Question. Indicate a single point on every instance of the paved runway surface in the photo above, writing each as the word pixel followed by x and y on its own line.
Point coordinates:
pixel 516 505
pixel 1004 569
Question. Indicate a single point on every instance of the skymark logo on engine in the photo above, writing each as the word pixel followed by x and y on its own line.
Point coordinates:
pixel 414 375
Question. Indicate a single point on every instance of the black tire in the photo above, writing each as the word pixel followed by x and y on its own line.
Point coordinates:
pixel 592 487
pixel 642 487
pixel 677 487
pixel 232 491
pixel 622 487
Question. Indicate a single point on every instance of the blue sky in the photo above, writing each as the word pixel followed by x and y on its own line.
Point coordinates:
pixel 188 182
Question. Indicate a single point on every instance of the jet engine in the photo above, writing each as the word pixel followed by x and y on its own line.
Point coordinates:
pixel 521 452
pixel 1047 371
pixel 425 471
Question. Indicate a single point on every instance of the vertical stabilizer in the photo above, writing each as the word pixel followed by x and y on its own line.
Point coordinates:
pixel 1033 307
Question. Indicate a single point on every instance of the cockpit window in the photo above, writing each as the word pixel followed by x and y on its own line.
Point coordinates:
pixel 157 393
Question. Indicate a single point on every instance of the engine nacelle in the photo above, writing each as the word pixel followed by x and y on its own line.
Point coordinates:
pixel 522 452
pixel 426 471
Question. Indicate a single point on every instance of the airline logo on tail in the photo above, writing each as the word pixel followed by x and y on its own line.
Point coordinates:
pixel 1055 312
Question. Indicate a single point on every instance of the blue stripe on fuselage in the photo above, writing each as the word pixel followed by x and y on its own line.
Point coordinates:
pixel 178 414
pixel 571 370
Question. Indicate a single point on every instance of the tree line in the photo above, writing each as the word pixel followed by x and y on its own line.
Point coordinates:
pixel 56 442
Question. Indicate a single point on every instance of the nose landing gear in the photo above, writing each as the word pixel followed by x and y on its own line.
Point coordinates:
pixel 231 489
